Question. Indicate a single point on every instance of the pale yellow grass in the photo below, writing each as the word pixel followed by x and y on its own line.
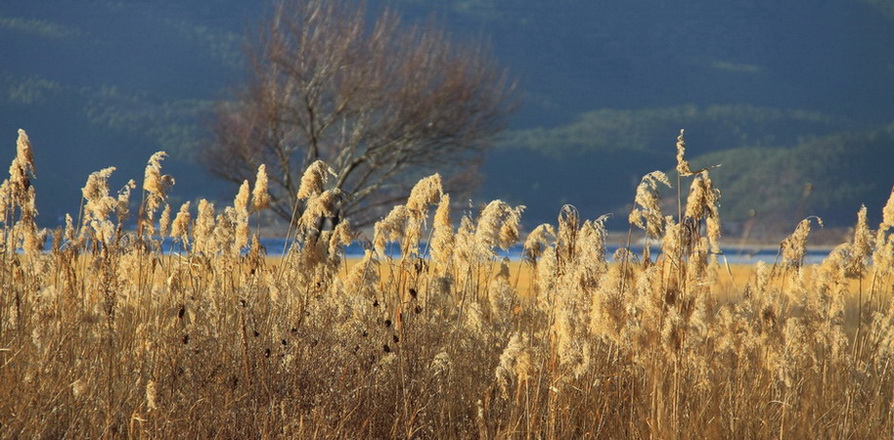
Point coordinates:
pixel 730 284
pixel 107 337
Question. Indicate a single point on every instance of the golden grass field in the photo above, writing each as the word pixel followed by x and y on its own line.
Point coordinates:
pixel 106 336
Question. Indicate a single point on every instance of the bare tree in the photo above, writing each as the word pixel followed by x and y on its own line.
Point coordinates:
pixel 382 102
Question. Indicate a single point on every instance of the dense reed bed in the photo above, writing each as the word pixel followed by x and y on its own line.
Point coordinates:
pixel 106 336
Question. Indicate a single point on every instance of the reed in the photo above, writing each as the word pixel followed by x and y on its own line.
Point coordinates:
pixel 106 336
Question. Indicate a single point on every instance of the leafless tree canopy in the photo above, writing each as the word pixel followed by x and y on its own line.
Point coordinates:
pixel 382 102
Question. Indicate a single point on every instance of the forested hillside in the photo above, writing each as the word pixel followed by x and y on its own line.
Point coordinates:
pixel 795 93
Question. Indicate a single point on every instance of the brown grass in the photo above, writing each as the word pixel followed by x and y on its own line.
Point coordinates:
pixel 105 336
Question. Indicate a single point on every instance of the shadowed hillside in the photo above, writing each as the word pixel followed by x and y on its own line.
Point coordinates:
pixel 606 88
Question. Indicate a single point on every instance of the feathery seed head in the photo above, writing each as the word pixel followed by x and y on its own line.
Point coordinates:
pixel 156 186
pixel 204 227
pixel 425 193
pixel 99 204
pixel 440 366
pixel 97 185
pixel 442 236
pixel 32 239
pixel 153 181
pixel 703 203
pixel 6 199
pixel 22 167
pixel 888 213
pixel 341 236
pixel 860 248
pixel 682 164
pixel 508 235
pixel 566 234
pixel 794 247
pixel 591 238
pixel 713 226
pixel 695 203
pixel 391 228
pixel 498 225
pixel 164 222
pixel 646 213
pixel 240 216
pixel 326 204
pixel 314 179
pixel 123 207
pixel 241 200
pixel 442 214
pixel 224 238
pixel 516 364
pixel 364 275
pixel 70 234
pixel 23 151
pixel 260 197
pixel 538 240
pixel 180 225
pixel 151 395
pixel 703 198
pixel 670 243
pixel 489 222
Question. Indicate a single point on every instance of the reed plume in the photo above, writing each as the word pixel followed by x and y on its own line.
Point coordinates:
pixel 21 170
pixel 203 230
pixel 461 345
pixel 860 248
pixel 240 216
pixel 888 213
pixel 17 192
pixel 122 210
pixel 794 247
pixel 156 188
pixel 99 205
pixel 425 193
pixel 516 363
pixel 538 241
pixel 682 165
pixel 341 236
pixel 498 225
pixel 180 225
pixel 260 195
pixel 702 204
pixel 154 182
pixel 314 179
pixel 32 239
pixel 442 235
pixel 883 254
pixel 646 213
pixel 319 207
pixel 390 229
pixel 164 221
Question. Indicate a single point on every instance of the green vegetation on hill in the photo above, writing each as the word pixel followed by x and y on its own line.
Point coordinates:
pixel 712 128
pixel 773 85
pixel 159 120
pixel 79 123
pixel 885 6
pixel 781 165
pixel 829 177
pixel 39 28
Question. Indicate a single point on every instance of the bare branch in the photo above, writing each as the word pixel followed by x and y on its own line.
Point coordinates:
pixel 383 103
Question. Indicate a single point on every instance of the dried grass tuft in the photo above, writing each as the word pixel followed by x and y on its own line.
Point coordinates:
pixel 646 213
pixel 314 179
pixel 100 338
pixel 260 195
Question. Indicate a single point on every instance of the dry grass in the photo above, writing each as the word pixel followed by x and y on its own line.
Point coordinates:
pixel 105 336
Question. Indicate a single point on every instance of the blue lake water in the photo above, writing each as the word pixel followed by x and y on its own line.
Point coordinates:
pixel 277 246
